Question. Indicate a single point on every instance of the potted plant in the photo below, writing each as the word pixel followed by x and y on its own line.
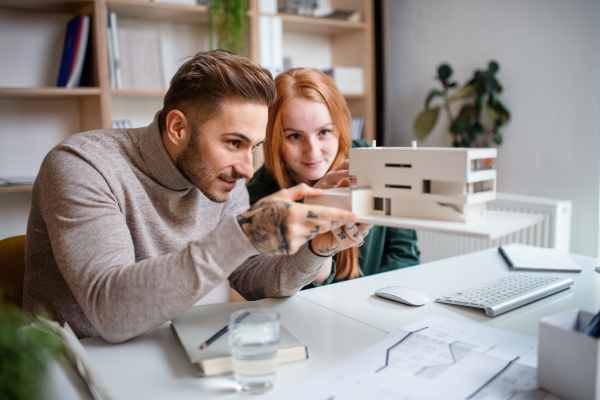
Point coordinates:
pixel 227 21
pixel 482 115
pixel 25 354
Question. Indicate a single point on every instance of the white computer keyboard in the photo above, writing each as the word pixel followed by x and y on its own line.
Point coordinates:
pixel 507 293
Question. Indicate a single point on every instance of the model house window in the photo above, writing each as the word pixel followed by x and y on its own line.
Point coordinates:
pixel 481 164
pixel 398 165
pixel 426 186
pixel 398 187
pixel 478 187
pixel 378 203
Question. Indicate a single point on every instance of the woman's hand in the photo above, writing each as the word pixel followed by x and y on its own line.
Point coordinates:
pixel 349 235
pixel 337 177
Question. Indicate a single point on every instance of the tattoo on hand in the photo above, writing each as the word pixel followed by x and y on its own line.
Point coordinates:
pixel 265 226
pixel 329 251
pixel 356 234
pixel 312 215
pixel 341 235
pixel 313 233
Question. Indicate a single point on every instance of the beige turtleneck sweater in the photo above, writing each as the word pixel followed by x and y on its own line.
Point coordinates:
pixel 119 241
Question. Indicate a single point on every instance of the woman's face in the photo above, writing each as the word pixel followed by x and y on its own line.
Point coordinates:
pixel 311 140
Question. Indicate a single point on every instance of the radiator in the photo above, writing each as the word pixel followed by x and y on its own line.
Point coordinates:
pixel 554 231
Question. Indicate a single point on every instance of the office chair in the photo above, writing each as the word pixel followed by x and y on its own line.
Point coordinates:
pixel 12 269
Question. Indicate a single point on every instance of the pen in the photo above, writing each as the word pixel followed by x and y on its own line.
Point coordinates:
pixel 592 328
pixel 221 332
pixel 506 258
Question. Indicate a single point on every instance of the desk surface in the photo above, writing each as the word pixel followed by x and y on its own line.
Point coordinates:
pixel 334 321
pixel 355 298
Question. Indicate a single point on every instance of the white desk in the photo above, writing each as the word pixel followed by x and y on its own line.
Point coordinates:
pixel 335 322
pixel 356 299
pixel 154 365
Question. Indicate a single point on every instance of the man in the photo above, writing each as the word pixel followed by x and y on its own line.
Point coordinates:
pixel 129 227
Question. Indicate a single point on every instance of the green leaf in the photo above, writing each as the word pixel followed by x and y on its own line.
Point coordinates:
pixel 444 72
pixel 479 102
pixel 497 111
pixel 493 67
pixel 458 127
pixel 425 122
pixel 490 84
pixel 467 115
pixel 433 94
pixel 452 84
pixel 498 138
pixel 463 93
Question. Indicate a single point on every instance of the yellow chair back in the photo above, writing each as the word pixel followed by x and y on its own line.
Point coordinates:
pixel 12 269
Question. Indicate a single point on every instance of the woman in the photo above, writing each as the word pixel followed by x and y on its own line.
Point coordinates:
pixel 308 137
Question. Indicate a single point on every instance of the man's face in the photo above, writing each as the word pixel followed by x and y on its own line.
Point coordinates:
pixel 221 153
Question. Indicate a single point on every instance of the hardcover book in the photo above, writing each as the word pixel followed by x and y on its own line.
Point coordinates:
pixel 197 324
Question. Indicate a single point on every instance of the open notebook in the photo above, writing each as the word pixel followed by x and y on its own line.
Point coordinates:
pixel 194 326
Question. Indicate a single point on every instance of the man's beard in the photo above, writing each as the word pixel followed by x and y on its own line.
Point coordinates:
pixel 192 164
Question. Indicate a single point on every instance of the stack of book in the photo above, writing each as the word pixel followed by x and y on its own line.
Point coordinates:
pixel 74 52
pixel 135 57
pixel 357 127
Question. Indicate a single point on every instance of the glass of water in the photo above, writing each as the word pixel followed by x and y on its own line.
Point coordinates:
pixel 254 340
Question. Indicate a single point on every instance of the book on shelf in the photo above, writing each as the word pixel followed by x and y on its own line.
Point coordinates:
pixel 80 53
pixel 111 54
pixel 357 127
pixel 115 56
pixel 135 57
pixel 194 326
pixel 74 51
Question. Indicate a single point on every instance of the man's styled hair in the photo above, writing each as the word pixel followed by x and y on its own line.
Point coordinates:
pixel 202 83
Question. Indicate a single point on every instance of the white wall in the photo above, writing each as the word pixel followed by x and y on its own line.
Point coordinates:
pixel 549 55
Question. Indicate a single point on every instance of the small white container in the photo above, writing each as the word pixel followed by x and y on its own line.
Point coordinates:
pixel 569 361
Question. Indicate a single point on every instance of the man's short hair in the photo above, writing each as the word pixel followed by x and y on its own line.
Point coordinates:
pixel 201 84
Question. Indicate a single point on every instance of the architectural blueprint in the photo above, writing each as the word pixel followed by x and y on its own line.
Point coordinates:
pixel 435 358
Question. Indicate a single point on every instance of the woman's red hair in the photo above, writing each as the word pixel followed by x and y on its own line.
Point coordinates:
pixel 310 84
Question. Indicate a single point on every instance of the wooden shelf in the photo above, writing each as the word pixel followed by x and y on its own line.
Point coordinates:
pixel 67 6
pixel 297 23
pixel 355 96
pixel 48 91
pixel 138 93
pixel 19 188
pixel 155 11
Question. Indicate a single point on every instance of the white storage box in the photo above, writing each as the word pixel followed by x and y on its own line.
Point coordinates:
pixel 568 362
pixel 349 80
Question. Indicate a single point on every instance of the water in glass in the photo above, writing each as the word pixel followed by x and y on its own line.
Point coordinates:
pixel 254 341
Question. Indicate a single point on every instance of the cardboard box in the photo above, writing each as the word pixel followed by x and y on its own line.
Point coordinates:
pixel 568 361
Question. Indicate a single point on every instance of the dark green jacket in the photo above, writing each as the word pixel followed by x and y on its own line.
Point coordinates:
pixel 384 249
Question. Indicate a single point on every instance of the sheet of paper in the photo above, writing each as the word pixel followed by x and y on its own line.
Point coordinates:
pixel 530 257
pixel 435 358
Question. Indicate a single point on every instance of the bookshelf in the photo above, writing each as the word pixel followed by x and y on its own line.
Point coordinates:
pixel 346 44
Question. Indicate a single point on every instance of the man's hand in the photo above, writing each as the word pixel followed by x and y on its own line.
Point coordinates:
pixel 279 225
pixel 349 235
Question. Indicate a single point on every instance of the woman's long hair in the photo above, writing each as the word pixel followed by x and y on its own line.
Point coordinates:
pixel 310 84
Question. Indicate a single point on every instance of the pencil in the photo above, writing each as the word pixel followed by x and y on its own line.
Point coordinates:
pixel 221 332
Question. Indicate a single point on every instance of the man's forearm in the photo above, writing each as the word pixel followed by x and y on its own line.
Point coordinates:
pixel 265 276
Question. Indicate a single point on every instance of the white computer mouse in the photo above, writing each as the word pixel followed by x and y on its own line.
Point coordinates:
pixel 403 294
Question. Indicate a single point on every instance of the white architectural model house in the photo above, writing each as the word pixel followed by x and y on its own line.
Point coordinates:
pixel 432 189
pixel 443 184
